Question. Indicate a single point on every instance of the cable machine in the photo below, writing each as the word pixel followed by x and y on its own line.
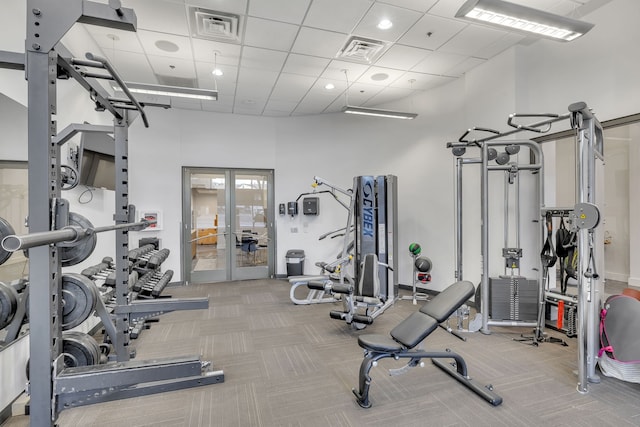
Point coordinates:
pixel 54 387
pixel 583 219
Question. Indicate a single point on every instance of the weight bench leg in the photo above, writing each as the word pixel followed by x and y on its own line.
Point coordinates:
pixel 362 395
pixel 486 392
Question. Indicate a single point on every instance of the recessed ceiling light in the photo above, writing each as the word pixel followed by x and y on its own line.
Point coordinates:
pixel 167 46
pixel 329 86
pixel 217 72
pixel 385 24
pixel 378 77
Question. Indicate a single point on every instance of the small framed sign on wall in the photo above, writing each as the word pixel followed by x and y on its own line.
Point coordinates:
pixel 152 215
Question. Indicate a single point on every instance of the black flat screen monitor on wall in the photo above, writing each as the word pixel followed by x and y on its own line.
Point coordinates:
pixel 96 157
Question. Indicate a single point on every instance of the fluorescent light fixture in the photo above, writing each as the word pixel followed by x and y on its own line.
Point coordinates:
pixel 524 19
pixel 174 91
pixel 379 113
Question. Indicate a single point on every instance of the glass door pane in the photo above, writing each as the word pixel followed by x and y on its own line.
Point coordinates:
pixel 207 255
pixel 251 229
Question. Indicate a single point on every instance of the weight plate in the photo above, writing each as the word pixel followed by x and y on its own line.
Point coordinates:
pixel 79 296
pixel 5 230
pixel 8 304
pixel 72 253
pixel 79 349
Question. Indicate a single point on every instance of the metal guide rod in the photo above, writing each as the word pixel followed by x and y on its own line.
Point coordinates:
pixel 14 243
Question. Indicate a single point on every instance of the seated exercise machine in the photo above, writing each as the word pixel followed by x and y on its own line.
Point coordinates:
pixel 317 293
pixel 362 304
pixel 411 332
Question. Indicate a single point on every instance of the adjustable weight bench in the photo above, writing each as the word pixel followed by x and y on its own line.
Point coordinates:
pixel 411 332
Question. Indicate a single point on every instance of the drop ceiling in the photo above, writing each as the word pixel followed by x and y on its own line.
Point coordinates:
pixel 278 56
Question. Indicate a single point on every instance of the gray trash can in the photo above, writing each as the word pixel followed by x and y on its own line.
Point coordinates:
pixel 295 262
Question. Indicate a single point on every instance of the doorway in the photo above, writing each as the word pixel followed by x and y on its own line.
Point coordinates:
pixel 228 227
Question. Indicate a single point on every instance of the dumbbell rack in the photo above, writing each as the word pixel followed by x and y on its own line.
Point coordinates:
pixel 53 387
pixel 415 295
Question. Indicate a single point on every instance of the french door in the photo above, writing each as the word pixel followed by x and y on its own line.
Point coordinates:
pixel 228 224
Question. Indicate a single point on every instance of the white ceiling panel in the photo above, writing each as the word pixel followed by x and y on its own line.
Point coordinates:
pixel 287 51
pixel 471 40
pixel 204 50
pixel 110 38
pixel 186 104
pixel 159 15
pixel 238 7
pixel 291 11
pixel 271 60
pixel 402 57
pixel 391 95
pixel 256 28
pixel 322 14
pixel 439 63
pixel 419 5
pixel 172 67
pixel 379 76
pixel 419 81
pixel 466 65
pixel 292 87
pixel 131 66
pixel 336 71
pixel 325 44
pixel 152 43
pixel 446 8
pixel 305 65
pixel 431 32
pixel 401 18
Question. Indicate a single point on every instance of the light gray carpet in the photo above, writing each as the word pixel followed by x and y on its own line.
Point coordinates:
pixel 288 365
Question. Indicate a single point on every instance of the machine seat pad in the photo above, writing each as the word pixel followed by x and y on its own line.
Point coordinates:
pixel 412 330
pixel 377 342
pixel 446 302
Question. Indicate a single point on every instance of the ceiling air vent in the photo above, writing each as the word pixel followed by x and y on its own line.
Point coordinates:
pixel 212 25
pixel 359 49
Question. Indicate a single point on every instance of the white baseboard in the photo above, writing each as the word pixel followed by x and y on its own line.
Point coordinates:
pixel 619 277
pixel 634 281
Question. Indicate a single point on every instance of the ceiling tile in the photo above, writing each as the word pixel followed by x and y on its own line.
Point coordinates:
pixel 376 76
pixel 471 40
pixel 152 42
pixel 217 107
pixel 274 105
pixel 419 81
pixel 466 65
pixel 322 14
pixel 238 7
pixel 446 8
pixel 131 66
pixel 291 11
pixel 501 44
pixel 226 83
pixel 186 103
pixel 172 67
pixel 260 33
pixel 253 57
pixel 390 94
pixel 439 63
pixel 419 5
pixel 316 42
pixel 401 18
pixel 159 15
pixel 204 50
pixel 359 93
pixel 255 83
pixel 292 87
pixel 336 71
pixel 440 29
pixel 305 65
pixel 110 38
pixel 275 113
pixel 402 57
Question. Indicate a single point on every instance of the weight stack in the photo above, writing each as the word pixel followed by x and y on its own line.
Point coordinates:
pixel 564 308
pixel 513 298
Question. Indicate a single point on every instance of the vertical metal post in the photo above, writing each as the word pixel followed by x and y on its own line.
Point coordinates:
pixel 121 216
pixel 484 231
pixel 380 233
pixel 458 219
pixel 44 272
pixel 392 233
